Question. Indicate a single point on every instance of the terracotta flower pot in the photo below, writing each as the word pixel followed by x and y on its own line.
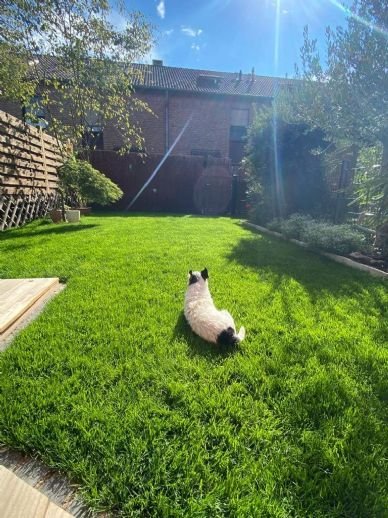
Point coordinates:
pixel 56 215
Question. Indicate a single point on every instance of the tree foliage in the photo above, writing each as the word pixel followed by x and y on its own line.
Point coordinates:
pixel 82 184
pixel 90 81
pixel 346 91
pixel 284 168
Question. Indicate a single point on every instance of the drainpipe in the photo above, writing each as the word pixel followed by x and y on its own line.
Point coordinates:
pixel 167 122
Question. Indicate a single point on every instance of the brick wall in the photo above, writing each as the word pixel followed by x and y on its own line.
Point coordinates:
pixel 208 130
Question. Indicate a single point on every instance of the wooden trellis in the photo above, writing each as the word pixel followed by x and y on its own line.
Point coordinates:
pixel 29 160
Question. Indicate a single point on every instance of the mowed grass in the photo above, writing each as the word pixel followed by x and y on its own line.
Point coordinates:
pixel 110 385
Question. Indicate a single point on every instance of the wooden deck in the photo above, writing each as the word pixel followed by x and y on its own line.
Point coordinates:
pixel 21 300
pixel 19 500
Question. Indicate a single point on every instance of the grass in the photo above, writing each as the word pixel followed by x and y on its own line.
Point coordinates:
pixel 111 386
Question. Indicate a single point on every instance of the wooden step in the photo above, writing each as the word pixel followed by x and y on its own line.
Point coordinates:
pixel 18 295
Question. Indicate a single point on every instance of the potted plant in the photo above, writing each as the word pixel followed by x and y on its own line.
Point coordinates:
pixel 81 184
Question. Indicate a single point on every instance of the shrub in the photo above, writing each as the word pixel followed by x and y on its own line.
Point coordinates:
pixel 285 174
pixel 83 184
pixel 295 225
pixel 275 225
pixel 339 239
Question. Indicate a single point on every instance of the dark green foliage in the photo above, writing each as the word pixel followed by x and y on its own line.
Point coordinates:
pixel 344 91
pixel 110 385
pixel 285 170
pixel 82 184
pixel 340 239
pixel 295 226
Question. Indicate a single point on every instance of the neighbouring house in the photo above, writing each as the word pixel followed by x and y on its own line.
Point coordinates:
pixel 221 105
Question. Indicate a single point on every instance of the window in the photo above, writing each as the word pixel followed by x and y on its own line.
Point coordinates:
pixel 93 138
pixel 237 133
pixel 239 117
pixel 237 139
pixel 206 153
pixel 208 81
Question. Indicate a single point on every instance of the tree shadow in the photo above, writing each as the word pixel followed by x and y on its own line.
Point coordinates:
pixel 46 230
pixel 282 260
pixel 199 347
pixel 122 214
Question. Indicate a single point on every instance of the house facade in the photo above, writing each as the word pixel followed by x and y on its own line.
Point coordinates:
pixel 219 105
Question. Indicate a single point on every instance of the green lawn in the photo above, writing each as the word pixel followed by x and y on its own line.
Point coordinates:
pixel 111 386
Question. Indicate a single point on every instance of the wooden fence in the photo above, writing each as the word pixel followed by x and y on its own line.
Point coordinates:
pixel 184 184
pixel 29 160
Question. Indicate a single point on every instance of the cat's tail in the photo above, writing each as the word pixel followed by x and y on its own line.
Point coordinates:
pixel 228 337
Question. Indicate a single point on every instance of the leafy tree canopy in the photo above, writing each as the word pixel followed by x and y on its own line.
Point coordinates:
pixel 346 91
pixel 90 83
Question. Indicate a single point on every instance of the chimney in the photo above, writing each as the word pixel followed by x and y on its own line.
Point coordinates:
pixel 253 74
pixel 157 62
pixel 240 75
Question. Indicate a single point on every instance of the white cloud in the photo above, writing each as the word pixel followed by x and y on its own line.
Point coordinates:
pixel 284 11
pixel 189 31
pixel 196 47
pixel 168 32
pixel 161 9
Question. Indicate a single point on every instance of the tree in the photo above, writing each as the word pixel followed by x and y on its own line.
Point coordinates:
pixel 285 171
pixel 78 63
pixel 348 95
pixel 81 184
pixel 13 74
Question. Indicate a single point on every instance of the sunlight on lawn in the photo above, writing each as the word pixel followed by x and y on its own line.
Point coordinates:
pixel 111 386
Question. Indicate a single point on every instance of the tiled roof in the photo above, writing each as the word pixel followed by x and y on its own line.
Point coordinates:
pixel 186 79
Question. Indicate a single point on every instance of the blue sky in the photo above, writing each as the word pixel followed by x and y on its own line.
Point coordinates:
pixel 229 35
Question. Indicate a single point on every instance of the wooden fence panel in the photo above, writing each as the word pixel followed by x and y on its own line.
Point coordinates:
pixel 29 159
pixel 178 187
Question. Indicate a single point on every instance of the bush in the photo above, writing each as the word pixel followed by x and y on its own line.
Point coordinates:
pixel 295 225
pixel 285 174
pixel 82 184
pixel 275 225
pixel 339 239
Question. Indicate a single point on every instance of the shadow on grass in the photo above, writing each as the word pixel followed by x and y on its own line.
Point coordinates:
pixel 156 215
pixel 43 230
pixel 198 346
pixel 315 273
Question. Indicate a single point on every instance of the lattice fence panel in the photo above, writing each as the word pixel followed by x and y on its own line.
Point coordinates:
pixel 15 211
pixel 29 160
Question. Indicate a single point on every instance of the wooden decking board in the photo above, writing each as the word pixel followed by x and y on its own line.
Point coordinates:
pixel 19 500
pixel 18 295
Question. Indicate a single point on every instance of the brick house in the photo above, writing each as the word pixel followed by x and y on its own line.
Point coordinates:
pixel 221 105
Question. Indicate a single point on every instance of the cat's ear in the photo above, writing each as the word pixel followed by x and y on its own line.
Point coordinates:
pixel 204 274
